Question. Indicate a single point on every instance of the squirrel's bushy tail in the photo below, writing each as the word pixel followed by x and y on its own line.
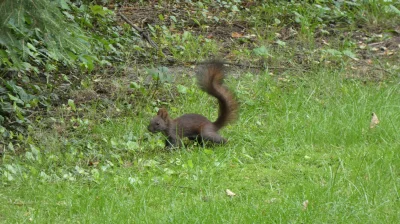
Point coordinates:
pixel 210 79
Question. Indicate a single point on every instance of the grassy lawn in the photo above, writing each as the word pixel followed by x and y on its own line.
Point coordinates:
pixel 302 151
pixel 297 140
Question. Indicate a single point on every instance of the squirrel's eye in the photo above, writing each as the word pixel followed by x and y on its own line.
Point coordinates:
pixel 157 123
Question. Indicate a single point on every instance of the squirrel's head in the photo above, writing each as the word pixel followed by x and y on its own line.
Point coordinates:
pixel 160 122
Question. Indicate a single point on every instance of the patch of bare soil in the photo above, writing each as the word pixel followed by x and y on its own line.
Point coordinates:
pixel 372 44
pixel 372 47
pixel 381 44
pixel 221 31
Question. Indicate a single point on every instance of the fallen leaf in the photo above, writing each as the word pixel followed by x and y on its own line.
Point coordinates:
pixel 236 35
pixel 283 79
pixel 93 163
pixel 250 36
pixel 388 52
pixel 127 164
pixel 374 121
pixel 374 49
pixel 325 42
pixel 305 204
pixel 230 193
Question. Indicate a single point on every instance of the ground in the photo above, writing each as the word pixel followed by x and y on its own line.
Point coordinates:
pixel 304 149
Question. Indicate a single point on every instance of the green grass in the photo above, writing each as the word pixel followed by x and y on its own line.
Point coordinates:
pixel 303 134
pixel 306 138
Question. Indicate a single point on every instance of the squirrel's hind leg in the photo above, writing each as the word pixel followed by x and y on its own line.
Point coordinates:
pixel 212 136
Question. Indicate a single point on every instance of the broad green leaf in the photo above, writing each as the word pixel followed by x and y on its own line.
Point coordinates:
pixel 394 9
pixel 9 176
pixel 333 52
pixel 173 18
pixel 134 85
pixel 15 99
pixel 11 168
pixel 131 145
pixel 190 163
pixel 208 151
pixel 30 46
pixel 182 89
pixel 261 51
pixel 350 54
pixel 281 43
pixel 72 104
pixel 64 5
pixel 98 10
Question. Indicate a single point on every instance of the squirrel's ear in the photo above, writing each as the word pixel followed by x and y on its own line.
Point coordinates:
pixel 163 113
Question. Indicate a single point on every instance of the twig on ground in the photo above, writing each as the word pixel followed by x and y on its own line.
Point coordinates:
pixel 142 33
pixel 251 66
pixel 381 67
pixel 240 26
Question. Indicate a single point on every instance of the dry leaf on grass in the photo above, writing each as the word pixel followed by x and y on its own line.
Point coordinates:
pixel 230 193
pixel 305 204
pixel 374 121
pixel 236 35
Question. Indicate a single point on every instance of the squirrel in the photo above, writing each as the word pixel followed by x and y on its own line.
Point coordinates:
pixel 195 126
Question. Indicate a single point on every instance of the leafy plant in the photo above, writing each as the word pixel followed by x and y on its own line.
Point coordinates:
pixel 40 40
pixel 35 34
pixel 160 74
pixel 186 46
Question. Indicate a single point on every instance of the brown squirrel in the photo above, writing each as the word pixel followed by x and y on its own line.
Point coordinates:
pixel 195 126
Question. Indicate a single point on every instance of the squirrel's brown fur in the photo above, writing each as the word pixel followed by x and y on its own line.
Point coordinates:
pixel 195 126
